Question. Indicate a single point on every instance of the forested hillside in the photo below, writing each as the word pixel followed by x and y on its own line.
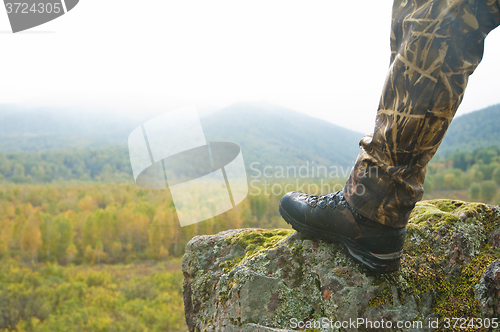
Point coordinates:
pixel 476 174
pixel 475 130
pixel 109 223
pixel 91 164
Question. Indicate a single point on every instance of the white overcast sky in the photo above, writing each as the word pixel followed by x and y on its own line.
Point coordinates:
pixel 327 59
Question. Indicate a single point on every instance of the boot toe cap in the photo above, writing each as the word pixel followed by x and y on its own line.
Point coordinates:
pixel 290 204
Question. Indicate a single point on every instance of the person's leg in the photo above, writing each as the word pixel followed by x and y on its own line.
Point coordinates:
pixel 435 46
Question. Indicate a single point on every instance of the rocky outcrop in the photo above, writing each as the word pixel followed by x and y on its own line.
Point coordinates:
pixel 278 280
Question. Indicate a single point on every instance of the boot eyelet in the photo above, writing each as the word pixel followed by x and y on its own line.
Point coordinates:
pixel 322 204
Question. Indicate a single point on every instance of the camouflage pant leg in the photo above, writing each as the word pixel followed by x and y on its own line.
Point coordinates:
pixel 436 45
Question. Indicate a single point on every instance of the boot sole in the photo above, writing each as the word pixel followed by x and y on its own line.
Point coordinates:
pixel 384 263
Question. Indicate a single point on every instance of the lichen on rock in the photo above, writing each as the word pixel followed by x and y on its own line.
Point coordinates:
pixel 272 280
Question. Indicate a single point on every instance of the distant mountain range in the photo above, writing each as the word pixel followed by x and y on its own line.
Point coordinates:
pixel 38 129
pixel 268 134
pixel 274 135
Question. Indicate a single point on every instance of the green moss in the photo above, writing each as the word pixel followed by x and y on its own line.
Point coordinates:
pixel 431 249
pixel 492 251
pixel 223 298
pixel 236 322
pixel 297 252
pixel 231 283
pixel 256 240
pixel 253 242
pixel 428 213
pixel 229 265
pixel 458 300
pixel 448 205
pixel 383 298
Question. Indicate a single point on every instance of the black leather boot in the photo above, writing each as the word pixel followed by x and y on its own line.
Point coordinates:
pixel 329 217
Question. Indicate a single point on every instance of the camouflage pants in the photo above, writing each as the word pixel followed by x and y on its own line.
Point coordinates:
pixel 435 46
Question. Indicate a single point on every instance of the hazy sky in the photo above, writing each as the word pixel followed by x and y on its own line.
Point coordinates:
pixel 327 59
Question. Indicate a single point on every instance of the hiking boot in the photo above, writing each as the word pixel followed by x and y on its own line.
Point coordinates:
pixel 329 217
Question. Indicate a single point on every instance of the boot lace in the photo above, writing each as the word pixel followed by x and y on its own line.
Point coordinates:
pixel 332 201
